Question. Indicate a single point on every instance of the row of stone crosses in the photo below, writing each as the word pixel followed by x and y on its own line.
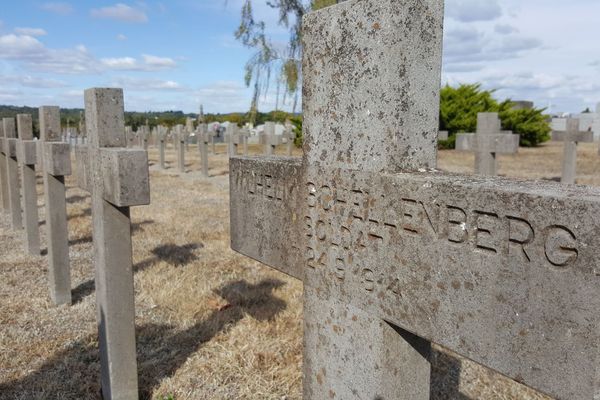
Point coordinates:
pixel 236 138
pixel 394 254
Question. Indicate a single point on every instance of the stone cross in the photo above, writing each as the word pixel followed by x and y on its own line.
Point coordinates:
pixel 395 255
pixel 162 140
pixel 204 138
pixel 487 143
pixel 117 179
pixel 54 157
pixel 12 172
pixel 130 137
pixel 189 129
pixel 289 136
pixel 271 140
pixel 3 175
pixel 571 136
pixel 237 137
pixel 145 135
pixel 443 135
pixel 27 158
pixel 180 136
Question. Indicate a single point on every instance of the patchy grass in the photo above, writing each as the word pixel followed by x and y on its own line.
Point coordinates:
pixel 211 324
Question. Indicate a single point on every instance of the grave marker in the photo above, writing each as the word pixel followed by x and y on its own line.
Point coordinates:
pixel 162 140
pixel 27 158
pixel 271 140
pixel 443 135
pixel 54 157
pixel 289 136
pixel 180 137
pixel 117 179
pixel 237 137
pixel 3 174
pixel 571 136
pixel 12 173
pixel 204 138
pixel 487 143
pixel 395 255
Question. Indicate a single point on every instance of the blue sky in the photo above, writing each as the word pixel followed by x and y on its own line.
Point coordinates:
pixel 178 54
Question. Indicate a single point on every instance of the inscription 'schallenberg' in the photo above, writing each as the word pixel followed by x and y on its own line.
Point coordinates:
pixel 499 271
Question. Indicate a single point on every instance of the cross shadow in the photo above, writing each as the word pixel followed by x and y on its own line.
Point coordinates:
pixel 175 255
pixel 445 377
pixel 76 198
pixel 156 344
pixel 161 349
pixel 553 179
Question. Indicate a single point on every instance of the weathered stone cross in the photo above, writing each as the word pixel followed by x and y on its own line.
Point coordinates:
pixel 487 143
pixel 271 140
pixel 27 157
pixel 204 138
pixel 12 172
pixel 162 139
pixel 571 136
pixel 54 157
pixel 289 136
pixel 3 174
pixel 395 255
pixel 237 137
pixel 117 179
pixel 181 138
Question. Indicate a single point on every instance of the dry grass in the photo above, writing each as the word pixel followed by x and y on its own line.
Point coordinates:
pixel 211 324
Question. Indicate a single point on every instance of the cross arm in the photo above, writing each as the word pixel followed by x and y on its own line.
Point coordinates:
pixel 55 157
pixel 27 152
pixel 500 271
pixel 580 136
pixel 502 143
pixel 265 218
pixel 125 181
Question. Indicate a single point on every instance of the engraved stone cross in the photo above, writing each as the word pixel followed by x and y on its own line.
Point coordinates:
pixel 12 172
pixel 117 178
pixel 26 155
pixel 54 157
pixel 395 255
pixel 487 143
pixel 3 174
pixel 571 136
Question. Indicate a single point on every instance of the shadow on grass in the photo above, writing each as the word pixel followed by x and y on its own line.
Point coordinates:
pixel 173 254
pixel 162 349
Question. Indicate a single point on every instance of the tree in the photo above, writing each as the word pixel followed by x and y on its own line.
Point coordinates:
pixel 269 63
pixel 460 105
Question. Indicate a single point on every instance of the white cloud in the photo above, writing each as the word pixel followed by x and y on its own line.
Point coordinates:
pixel 159 62
pixel 148 63
pixel 473 10
pixel 20 47
pixel 120 12
pixel 31 31
pixel 123 63
pixel 505 29
pixel 121 37
pixel 147 84
pixel 59 8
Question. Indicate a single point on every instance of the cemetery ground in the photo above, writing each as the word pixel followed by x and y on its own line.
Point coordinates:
pixel 210 323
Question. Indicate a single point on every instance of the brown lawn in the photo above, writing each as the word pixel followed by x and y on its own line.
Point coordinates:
pixel 211 324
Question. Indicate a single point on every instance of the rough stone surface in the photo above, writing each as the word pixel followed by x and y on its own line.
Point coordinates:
pixel 57 158
pixel 59 273
pixel 500 271
pixel 26 157
pixel 125 183
pixel 488 143
pixel 107 173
